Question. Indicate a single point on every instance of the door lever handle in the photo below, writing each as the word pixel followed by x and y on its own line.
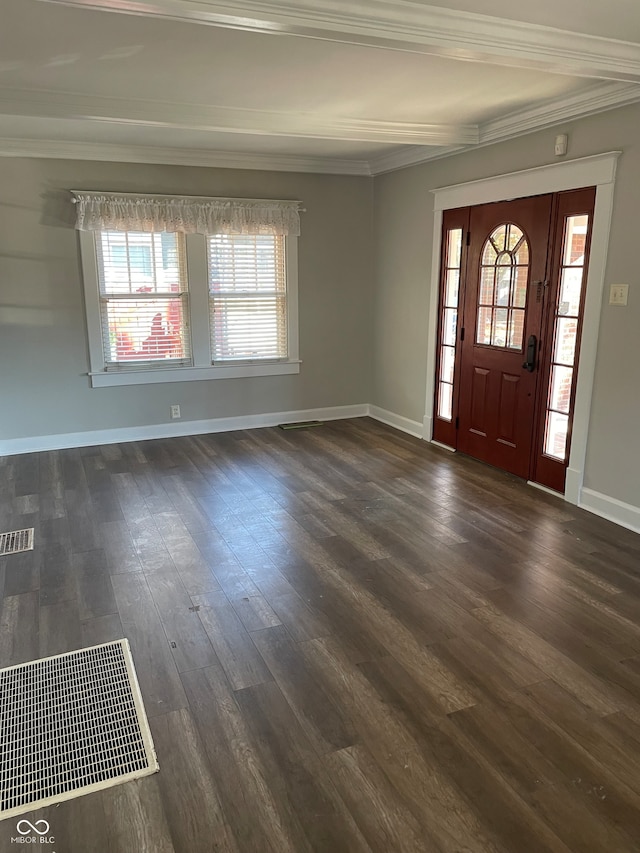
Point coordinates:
pixel 530 363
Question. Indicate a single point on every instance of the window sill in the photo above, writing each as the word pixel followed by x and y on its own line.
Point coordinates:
pixel 191 374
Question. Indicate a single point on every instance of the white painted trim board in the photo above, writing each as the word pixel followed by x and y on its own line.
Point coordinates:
pixel 91 438
pixel 626 515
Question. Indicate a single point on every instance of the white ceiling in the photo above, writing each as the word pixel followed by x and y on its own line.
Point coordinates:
pixel 346 86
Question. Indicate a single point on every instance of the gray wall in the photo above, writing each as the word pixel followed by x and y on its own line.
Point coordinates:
pixel 403 228
pixel 363 339
pixel 44 389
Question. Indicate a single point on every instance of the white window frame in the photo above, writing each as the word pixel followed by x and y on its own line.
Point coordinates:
pixel 202 367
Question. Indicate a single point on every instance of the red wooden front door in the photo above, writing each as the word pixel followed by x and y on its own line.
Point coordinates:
pixel 501 321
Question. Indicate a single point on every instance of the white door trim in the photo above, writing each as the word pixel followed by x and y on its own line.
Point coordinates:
pixel 598 171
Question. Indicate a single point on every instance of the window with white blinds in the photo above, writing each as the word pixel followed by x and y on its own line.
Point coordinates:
pixel 183 288
pixel 143 295
pixel 247 297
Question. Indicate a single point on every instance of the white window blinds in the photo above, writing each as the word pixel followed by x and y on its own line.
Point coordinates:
pixel 143 294
pixel 247 297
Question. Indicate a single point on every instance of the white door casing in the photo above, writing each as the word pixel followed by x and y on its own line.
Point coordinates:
pixel 599 171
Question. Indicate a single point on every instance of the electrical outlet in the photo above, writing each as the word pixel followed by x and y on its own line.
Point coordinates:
pixel 618 294
pixel 175 411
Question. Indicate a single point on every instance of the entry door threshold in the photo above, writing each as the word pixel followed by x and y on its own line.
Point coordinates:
pixel 545 489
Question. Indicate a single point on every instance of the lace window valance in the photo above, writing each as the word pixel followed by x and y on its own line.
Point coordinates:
pixel 188 214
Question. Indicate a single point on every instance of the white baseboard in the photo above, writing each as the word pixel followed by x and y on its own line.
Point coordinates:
pixel 607 507
pixel 397 421
pixel 573 485
pixel 12 446
pixel 624 514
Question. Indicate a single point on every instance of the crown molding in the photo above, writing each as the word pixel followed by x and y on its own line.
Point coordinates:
pixel 604 96
pixel 599 98
pixel 411 155
pixel 43 103
pixel 72 150
pixel 595 99
pixel 404 25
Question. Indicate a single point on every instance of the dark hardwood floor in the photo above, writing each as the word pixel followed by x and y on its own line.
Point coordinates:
pixel 347 641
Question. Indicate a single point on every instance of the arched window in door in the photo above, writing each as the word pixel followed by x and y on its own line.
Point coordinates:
pixel 502 294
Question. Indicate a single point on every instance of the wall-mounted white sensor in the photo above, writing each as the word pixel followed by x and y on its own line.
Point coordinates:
pixel 561 144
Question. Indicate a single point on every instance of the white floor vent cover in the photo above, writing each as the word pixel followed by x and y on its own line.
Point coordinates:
pixel 70 725
pixel 16 541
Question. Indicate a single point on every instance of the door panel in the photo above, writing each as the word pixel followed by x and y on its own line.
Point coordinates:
pixel 507 407
pixel 453 263
pixel 562 329
pixel 478 420
pixel 502 307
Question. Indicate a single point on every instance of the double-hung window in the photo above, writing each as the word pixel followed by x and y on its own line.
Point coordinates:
pixel 182 288
pixel 144 299
pixel 247 297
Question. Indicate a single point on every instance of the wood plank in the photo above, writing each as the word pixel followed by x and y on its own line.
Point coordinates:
pixel 57 577
pixel 382 817
pixel 449 819
pixel 119 549
pixel 93 586
pixel 101 629
pixel 136 818
pixel 232 644
pixel 19 629
pixel 323 722
pixel 187 638
pixel 159 680
pixel 188 787
pixel 296 776
pixel 244 780
pixel 60 629
pixel 395 648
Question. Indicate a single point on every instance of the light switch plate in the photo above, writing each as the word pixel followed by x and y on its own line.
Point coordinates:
pixel 618 294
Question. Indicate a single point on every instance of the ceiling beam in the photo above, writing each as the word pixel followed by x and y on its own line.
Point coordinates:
pixel 36 103
pixel 65 149
pixel 404 25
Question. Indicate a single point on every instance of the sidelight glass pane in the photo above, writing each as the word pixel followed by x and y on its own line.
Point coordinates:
pixel 500 319
pixel 560 397
pixel 555 441
pixel 483 330
pixel 445 401
pixel 451 288
pixel 570 290
pixel 450 326
pixel 449 320
pixel 565 343
pixel 565 337
pixel 447 363
pixel 454 247
pixel 575 239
